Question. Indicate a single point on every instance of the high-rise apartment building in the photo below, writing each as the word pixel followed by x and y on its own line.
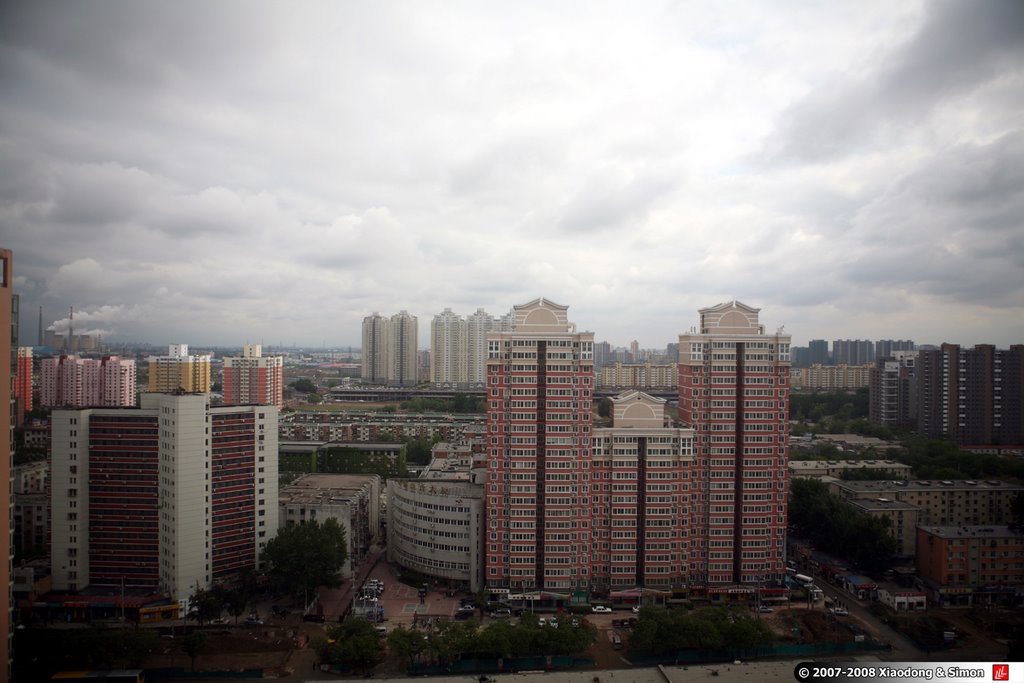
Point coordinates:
pixel 179 371
pixel 852 352
pixel 167 497
pixel 448 349
pixel 539 399
pixel 458 348
pixel 74 382
pixel 817 351
pixel 8 362
pixel 23 381
pixel 478 326
pixel 975 396
pixel 253 379
pixel 885 348
pixel 734 392
pixel 892 386
pixel 375 349
pixel 640 499
pixel 403 356
pixel 831 377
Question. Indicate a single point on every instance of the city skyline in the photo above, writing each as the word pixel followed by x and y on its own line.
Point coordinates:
pixel 177 174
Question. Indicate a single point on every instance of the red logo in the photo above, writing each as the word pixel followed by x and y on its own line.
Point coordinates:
pixel 1000 672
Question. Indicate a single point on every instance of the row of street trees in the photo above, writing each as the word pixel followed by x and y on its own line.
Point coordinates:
pixel 662 632
pixel 454 640
pixel 836 528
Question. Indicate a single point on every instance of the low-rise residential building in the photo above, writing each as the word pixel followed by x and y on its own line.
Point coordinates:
pixel 942 502
pixel 902 518
pixel 902 600
pixel 351 499
pixel 968 565
pixel 377 427
pixel 816 469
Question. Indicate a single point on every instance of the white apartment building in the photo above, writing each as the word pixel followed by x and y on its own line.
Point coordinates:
pixel 165 497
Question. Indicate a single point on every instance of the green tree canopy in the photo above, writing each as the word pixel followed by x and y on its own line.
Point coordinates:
pixel 193 645
pixel 835 527
pixel 304 385
pixel 355 644
pixel 304 556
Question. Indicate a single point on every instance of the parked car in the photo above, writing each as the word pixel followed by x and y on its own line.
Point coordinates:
pixel 601 609
pixel 764 608
pixel 616 641
pixel 253 621
pixel 541 621
pixel 501 613
pixel 636 609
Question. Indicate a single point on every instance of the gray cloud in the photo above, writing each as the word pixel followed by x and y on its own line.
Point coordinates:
pixel 231 172
pixel 958 49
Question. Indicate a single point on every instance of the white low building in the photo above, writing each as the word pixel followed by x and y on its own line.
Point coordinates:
pixel 435 528
pixel 902 600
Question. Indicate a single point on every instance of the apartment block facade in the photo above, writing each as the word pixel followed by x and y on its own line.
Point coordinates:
pixel 539 397
pixel 832 377
pixel 23 380
pixel 75 382
pixel 8 364
pixel 253 379
pixel 965 566
pixel 974 396
pixel 403 354
pixel 734 392
pixel 458 348
pixel 941 502
pixel 179 371
pixel 639 376
pixel 390 354
pixel 640 494
pixel 892 388
pixel 167 496
pixel 852 352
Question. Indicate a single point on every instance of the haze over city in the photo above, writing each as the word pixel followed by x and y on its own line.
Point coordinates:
pixel 232 172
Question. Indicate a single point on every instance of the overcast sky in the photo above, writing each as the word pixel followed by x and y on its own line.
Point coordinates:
pixel 216 173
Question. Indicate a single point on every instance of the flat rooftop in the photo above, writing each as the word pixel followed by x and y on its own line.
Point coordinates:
pixel 980 531
pixel 930 485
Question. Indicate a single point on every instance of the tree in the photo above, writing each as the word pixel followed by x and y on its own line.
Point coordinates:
pixel 304 556
pixel 193 645
pixel 304 385
pixel 604 407
pixel 355 644
pixel 204 605
pixel 235 601
pixel 407 644
pixel 313 398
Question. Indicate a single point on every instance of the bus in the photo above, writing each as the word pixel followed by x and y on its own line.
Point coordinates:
pixel 803 579
pixel 148 615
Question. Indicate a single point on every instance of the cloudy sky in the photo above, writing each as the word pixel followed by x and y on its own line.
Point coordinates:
pixel 216 173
